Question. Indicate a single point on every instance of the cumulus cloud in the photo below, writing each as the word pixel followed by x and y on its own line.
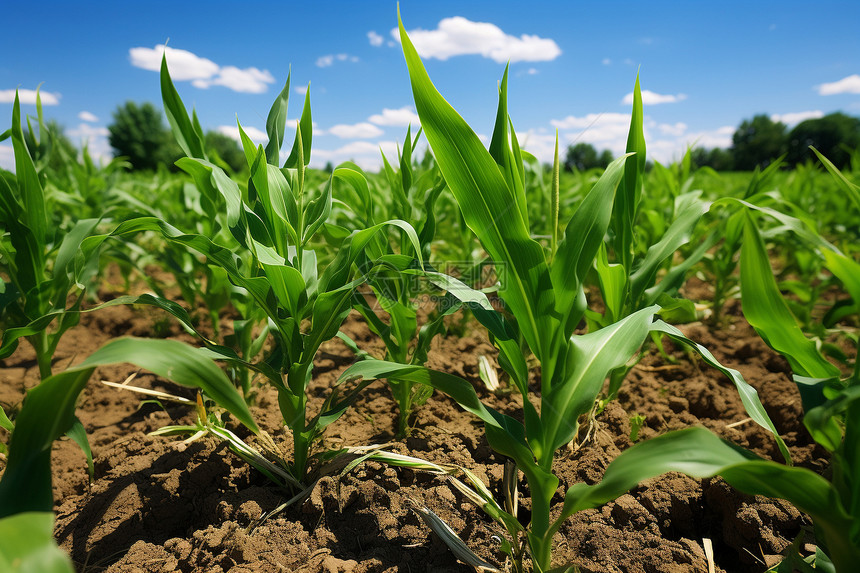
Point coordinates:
pixel 88 116
pixel 396 117
pixel 330 59
pixel 232 131
pixel 183 65
pixel 86 131
pixel 375 39
pixel 364 153
pixel 847 85
pixel 676 129
pixel 249 80
pixel 361 130
pixel 796 117
pixel 458 36
pixel 95 138
pixel 29 97
pixel 301 90
pixel 652 98
pixel 201 72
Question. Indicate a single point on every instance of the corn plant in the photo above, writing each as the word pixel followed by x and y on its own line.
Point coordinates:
pixel 394 291
pixel 274 225
pixel 36 256
pixel 48 412
pixel 546 302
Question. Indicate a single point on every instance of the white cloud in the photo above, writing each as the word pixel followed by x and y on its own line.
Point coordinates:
pixel 396 117
pixel 202 72
pixel 676 129
pixel 87 131
pixel 790 119
pixel 606 62
pixel 532 71
pixel 361 130
pixel 29 97
pixel 7 157
pixel 183 65
pixel 375 39
pixel 330 59
pixel 249 80
pixel 232 131
pixel 88 116
pixel 847 85
pixel 651 98
pixel 541 145
pixel 458 36
pixel 366 154
pixel 301 90
pixel 603 131
pixel 95 138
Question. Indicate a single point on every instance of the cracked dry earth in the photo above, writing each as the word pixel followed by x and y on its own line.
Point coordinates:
pixel 158 505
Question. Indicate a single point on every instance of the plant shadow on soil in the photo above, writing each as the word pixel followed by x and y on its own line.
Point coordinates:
pixel 160 505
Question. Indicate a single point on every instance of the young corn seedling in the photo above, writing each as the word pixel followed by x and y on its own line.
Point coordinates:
pixel 48 412
pixel 396 292
pixel 546 301
pixel 275 224
pixel 36 256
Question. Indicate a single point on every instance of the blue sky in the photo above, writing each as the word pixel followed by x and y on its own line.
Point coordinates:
pixel 704 66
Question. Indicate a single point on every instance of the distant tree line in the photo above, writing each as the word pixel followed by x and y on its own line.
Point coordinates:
pixel 756 143
pixel 139 134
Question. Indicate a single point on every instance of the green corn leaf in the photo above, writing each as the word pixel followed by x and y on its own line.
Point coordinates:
pixel 677 235
pixel 627 201
pixel 503 154
pixel 767 312
pixel 27 545
pixel 276 123
pixel 852 190
pixel 35 215
pixel 304 136
pixel 188 138
pixel 748 395
pixel 78 434
pixel 583 237
pixel 590 358
pixel 700 454
pixel 485 201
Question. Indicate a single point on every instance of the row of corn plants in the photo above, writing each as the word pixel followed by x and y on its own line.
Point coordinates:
pixel 292 254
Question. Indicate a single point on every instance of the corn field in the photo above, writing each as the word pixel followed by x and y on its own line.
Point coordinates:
pixel 468 360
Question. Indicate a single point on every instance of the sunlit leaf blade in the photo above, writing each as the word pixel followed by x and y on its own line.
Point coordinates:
pixel 489 208
pixel 305 132
pixel 276 124
pixel 188 138
pixel 27 545
pixel 583 237
pixel 35 215
pixel 624 210
pixel 590 358
pixel 748 394
pixel 852 190
pixel 767 312
pixel 700 454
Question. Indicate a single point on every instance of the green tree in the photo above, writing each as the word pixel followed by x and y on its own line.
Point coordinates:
pixel 138 133
pixel 226 148
pixel 835 135
pixel 718 159
pixel 757 142
pixel 583 156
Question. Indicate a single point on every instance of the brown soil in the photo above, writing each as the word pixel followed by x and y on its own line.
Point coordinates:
pixel 158 505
